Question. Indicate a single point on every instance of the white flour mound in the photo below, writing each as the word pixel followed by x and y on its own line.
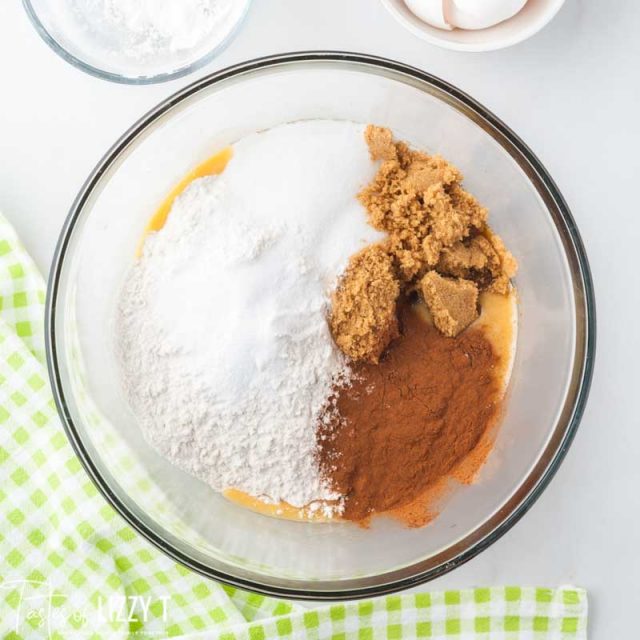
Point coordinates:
pixel 226 354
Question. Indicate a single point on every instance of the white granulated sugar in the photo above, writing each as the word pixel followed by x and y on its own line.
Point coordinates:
pixel 141 29
pixel 226 354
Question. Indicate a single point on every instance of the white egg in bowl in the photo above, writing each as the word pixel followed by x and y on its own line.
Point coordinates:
pixel 473 25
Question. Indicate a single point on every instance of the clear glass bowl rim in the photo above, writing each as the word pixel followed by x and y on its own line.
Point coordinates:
pixel 539 477
pixel 73 60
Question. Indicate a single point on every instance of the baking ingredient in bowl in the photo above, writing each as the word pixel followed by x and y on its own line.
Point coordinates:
pixel 142 29
pixel 437 241
pixel 227 357
pixel 226 322
pixel 464 14
pixel 453 302
pixel 404 424
pixel 423 396
pixel 364 314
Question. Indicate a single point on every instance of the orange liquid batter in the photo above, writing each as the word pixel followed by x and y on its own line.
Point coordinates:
pixel 281 510
pixel 498 320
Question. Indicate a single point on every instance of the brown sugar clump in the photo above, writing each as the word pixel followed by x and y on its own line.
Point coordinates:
pixel 483 259
pixel 501 282
pixel 453 303
pixel 409 200
pixel 418 200
pixel 432 225
pixel 474 259
pixel 380 143
pixel 363 317
pixel 454 215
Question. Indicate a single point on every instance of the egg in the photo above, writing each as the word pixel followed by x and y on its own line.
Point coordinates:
pixel 480 14
pixel 429 11
pixel 464 14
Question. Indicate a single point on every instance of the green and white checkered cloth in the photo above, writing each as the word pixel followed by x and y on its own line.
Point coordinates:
pixel 72 568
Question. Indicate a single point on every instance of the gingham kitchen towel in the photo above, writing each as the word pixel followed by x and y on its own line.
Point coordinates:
pixel 71 568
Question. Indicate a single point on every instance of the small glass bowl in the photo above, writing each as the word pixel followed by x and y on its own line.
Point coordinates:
pixel 186 518
pixel 75 43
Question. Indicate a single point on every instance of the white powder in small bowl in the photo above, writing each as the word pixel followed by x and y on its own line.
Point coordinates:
pixel 226 354
pixel 144 29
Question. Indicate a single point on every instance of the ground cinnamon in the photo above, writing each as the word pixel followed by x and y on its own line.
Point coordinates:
pixel 405 423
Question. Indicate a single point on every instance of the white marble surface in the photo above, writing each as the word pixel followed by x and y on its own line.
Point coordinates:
pixel 572 92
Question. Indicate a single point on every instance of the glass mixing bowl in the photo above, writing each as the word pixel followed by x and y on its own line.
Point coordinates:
pixel 63 28
pixel 186 518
